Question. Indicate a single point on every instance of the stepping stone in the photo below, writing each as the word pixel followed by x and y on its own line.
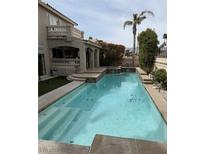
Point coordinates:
pixel 115 145
pixel 147 82
pixel 140 71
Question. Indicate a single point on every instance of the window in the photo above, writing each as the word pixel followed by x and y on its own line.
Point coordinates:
pixel 53 20
pixel 65 52
pixel 57 53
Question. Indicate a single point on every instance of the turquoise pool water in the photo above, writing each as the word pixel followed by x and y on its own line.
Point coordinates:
pixel 117 105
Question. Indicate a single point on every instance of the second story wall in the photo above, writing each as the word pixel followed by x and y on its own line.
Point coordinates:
pixel 54 20
pixel 47 18
pixel 42 23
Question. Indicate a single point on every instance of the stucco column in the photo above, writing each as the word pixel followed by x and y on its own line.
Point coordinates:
pixel 98 58
pixel 92 58
pixel 82 52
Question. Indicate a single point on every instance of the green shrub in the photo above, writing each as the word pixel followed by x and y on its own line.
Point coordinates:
pixel 160 76
pixel 148 49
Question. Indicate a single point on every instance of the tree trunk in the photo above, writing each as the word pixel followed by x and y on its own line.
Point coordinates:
pixel 134 40
pixel 134 37
pixel 134 43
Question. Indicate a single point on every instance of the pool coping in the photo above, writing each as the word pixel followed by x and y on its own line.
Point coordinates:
pixel 53 147
pixel 158 100
pixel 49 98
pixel 111 144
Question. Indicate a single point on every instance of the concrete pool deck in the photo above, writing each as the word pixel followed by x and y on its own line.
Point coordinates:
pixel 143 75
pixel 52 147
pixel 155 95
pixel 104 145
pixel 96 70
pixel 115 145
pixel 140 71
pixel 50 97
pixel 90 75
pixel 158 100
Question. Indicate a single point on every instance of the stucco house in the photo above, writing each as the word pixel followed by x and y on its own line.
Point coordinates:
pixel 62 49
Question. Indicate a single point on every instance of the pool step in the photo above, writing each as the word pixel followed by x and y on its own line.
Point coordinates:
pixel 51 125
pixel 78 95
pixel 75 78
pixel 66 100
pixel 46 116
pixel 55 134
pixel 75 127
pixel 63 135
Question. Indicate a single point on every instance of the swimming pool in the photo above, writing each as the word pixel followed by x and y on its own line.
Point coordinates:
pixel 117 105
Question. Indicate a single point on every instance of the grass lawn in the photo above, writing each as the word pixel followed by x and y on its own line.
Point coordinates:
pixel 51 84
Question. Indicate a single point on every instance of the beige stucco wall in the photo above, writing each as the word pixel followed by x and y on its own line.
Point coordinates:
pixel 161 63
pixel 42 36
pixel 43 22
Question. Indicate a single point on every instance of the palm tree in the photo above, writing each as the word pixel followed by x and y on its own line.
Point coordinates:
pixel 137 19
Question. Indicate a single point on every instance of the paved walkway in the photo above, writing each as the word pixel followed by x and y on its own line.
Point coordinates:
pixel 50 97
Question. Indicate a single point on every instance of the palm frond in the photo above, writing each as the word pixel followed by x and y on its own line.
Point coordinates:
pixel 127 23
pixel 146 12
pixel 141 18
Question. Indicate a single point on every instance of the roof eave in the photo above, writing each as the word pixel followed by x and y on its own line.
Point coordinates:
pixel 53 10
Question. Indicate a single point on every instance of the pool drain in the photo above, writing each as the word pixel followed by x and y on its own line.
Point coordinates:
pixel 71 141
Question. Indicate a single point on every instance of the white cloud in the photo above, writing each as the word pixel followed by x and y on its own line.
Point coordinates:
pixel 104 19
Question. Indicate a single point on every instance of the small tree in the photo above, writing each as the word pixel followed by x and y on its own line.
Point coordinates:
pixel 111 54
pixel 147 49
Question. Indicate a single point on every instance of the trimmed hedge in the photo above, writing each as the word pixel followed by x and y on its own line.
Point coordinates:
pixel 148 49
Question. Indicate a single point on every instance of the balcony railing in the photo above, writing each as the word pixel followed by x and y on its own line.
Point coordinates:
pixel 65 62
pixel 76 33
pixel 64 32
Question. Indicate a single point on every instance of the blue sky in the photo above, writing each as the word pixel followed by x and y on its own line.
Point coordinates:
pixel 103 19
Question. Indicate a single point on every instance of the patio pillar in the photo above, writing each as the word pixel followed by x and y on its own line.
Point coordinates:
pixel 98 58
pixel 92 62
pixel 82 52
